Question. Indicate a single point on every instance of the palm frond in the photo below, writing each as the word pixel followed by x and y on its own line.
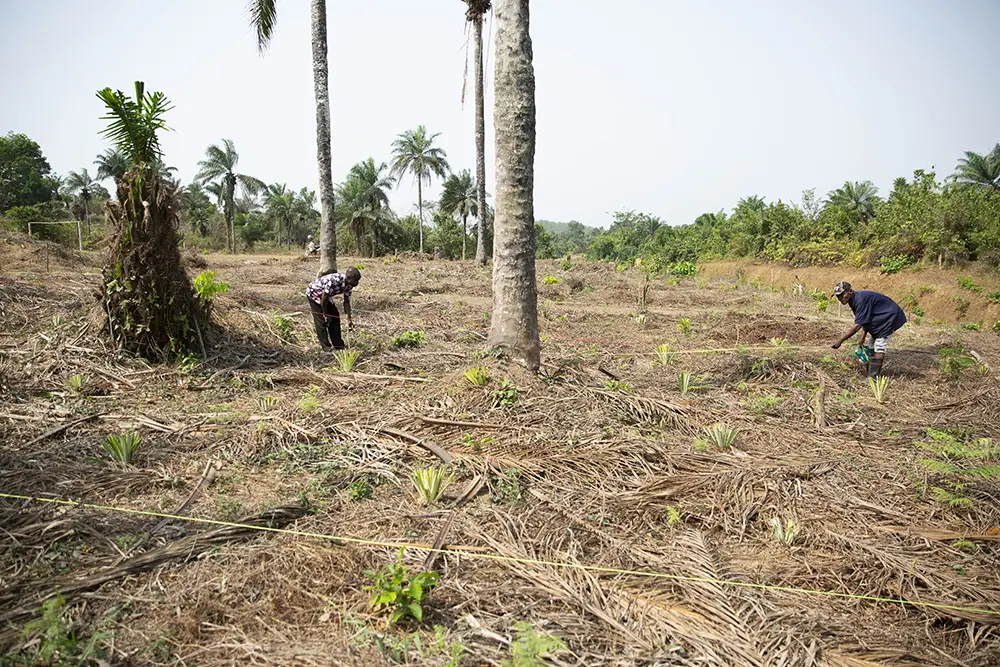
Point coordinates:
pixel 263 17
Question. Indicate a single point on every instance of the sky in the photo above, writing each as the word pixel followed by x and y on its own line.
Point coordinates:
pixel 669 108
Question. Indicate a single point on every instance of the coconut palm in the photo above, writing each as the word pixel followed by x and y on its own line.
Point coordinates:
pixel 474 14
pixel 460 197
pixel 82 185
pixel 858 197
pixel 263 17
pixel 980 170
pixel 147 296
pixel 279 207
pixel 414 152
pixel 514 325
pixel 219 166
pixel 112 164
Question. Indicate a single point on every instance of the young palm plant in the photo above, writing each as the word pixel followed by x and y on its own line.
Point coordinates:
pixel 721 435
pixel 664 354
pixel 346 359
pixel 430 484
pixel 879 386
pixel 78 383
pixel 122 448
pixel 786 532
pixel 688 383
pixel 477 376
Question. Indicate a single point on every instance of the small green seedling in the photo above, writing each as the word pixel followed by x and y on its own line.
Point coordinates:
pixel 684 325
pixel 477 376
pixel 396 590
pixel 664 354
pixel 79 383
pixel 786 532
pixel 430 484
pixel 688 383
pixel 721 435
pixel 550 280
pixel 507 395
pixel 122 448
pixel 346 359
pixel 409 339
pixel 879 386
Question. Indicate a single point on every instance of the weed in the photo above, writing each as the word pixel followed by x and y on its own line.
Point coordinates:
pixel 531 648
pixel 994 297
pixel 565 264
pixel 395 590
pixel 359 266
pixel 996 326
pixel 206 287
pixel 55 644
pixel 359 489
pixel 477 376
pixel 967 283
pixel 961 305
pixel 506 395
pixel 674 281
pixel 617 385
pixel 822 305
pixel 923 290
pixel 58 320
pixel 122 448
pixel 965 545
pixel 550 280
pixel 786 532
pixel 721 435
pixel 346 359
pixel 895 263
pixel 953 362
pixel 959 461
pixel 430 484
pixel 79 384
pixel 879 386
pixel 918 311
pixel 972 326
pixel 229 509
pixel 310 401
pixel 507 487
pixel 688 269
pixel 766 403
pixel 673 516
pixel 664 354
pixel 688 383
pixel 409 339
pixel 474 444
pixel 285 326
pixel 266 403
pixel 684 325
pixel 186 364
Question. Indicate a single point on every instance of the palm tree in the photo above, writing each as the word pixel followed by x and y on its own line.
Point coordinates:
pixel 514 325
pixel 196 207
pixel 150 305
pixel 279 205
pixel 82 185
pixel 112 164
pixel 219 166
pixel 858 197
pixel 263 17
pixel 980 170
pixel 460 198
pixel 414 152
pixel 365 203
pixel 476 10
pixel 753 203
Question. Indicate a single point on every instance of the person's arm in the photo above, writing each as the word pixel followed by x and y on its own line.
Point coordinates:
pixel 347 310
pixel 854 330
pixel 864 334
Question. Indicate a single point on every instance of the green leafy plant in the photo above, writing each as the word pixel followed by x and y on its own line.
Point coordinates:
pixel 79 384
pixel 879 387
pixel 972 326
pixel 673 516
pixel 967 283
pixel 430 484
pixel 473 443
pixel 346 359
pixel 688 383
pixel 918 311
pixel 664 354
pixel 721 436
pixel 688 269
pixel 507 487
pixel 266 403
pixel 55 644
pixel 409 339
pixel 310 401
pixel 285 326
pixel 359 489
pixel 122 448
pixel 994 297
pixel 953 362
pixel 674 281
pixel 206 287
pixel 894 264
pixel 565 264
pixel 507 395
pixel 684 325
pixel 961 305
pixel 550 280
pixel 786 532
pixel 477 376
pixel 822 305
pixel 617 385
pixel 960 461
pixel 402 594
pixel 58 320
pixel 531 648
pixel 996 326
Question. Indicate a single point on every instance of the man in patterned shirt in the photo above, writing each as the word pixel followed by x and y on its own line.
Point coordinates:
pixel 320 293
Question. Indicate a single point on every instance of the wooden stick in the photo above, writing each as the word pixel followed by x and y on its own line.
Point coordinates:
pixel 436 450
pixel 59 429
pixel 432 556
pixel 452 422
pixel 383 377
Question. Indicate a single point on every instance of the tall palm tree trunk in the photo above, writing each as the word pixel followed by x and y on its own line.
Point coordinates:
pixel 477 33
pixel 86 211
pixel 420 210
pixel 514 327
pixel 321 75
pixel 465 233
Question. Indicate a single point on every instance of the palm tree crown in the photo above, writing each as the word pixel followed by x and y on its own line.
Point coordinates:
pixel 219 167
pixel 133 124
pixel 414 152
pixel 112 163
pixel 364 203
pixel 980 170
pixel 458 196
pixel 858 197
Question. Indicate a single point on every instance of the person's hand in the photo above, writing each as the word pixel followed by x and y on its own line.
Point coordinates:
pixel 350 323
pixel 836 345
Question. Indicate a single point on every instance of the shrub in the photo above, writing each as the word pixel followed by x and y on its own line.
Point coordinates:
pixel 409 339
pixel 285 326
pixel 206 287
pixel 965 282
pixel 122 448
pixel 395 590
pixel 550 280
pixel 894 264
pixel 683 269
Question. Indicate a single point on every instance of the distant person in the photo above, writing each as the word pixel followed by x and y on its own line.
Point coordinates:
pixel 320 294
pixel 874 314
pixel 311 246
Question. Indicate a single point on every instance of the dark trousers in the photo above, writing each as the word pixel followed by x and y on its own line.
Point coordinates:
pixel 326 318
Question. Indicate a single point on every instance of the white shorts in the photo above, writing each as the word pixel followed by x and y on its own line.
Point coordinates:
pixel 882 344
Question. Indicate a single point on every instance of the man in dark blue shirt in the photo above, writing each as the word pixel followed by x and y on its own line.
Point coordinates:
pixel 874 314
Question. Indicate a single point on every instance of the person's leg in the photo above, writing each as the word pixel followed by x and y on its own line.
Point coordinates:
pixel 333 325
pixel 875 365
pixel 319 322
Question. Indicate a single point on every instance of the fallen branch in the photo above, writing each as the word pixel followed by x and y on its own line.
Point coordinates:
pixel 58 429
pixel 452 422
pixel 436 450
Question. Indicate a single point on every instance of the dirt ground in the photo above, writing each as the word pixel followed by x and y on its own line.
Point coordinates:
pixel 587 500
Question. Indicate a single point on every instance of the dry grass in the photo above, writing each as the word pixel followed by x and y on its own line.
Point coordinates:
pixel 570 472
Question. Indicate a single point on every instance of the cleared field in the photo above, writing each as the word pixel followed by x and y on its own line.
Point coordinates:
pixel 588 501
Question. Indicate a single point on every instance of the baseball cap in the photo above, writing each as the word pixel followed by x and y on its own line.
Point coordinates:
pixel 841 287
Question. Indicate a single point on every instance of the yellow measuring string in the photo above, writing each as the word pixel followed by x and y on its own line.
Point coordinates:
pixel 509 559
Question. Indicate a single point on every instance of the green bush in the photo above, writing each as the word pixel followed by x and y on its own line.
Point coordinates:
pixel 895 263
pixel 206 287
pixel 968 283
pixel 409 339
pixel 682 269
pixel 397 591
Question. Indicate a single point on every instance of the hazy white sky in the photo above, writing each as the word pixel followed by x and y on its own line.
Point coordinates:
pixel 672 108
